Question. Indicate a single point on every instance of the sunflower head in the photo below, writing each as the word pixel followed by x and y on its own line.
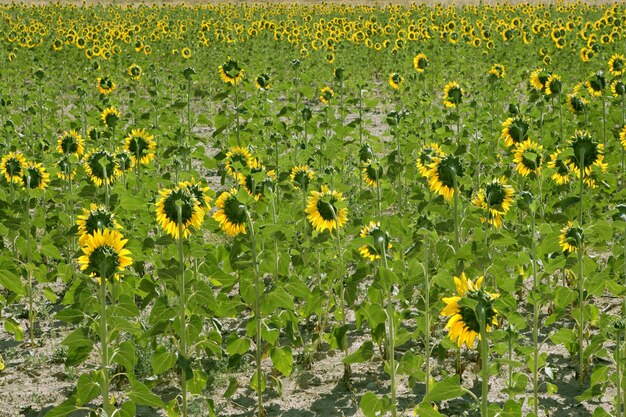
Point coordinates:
pixel 230 72
pixel 105 85
pixel 323 211
pixel 553 85
pixel 561 170
pixel 167 211
pixel 97 218
pixel 134 72
pixel 256 181
pixel 236 159
pixel 426 157
pixel 231 213
pixel 617 64
pixel 110 116
pixel 101 167
pixel 528 157
pixel 496 198
pixel 65 168
pixel 339 74
pixel 571 238
pixel 452 94
pixel 185 53
pixel 202 194
pixel 12 167
pixel 576 104
pixel 70 143
pixel 372 173
pixel 381 242
pixel 262 82
pixel 140 145
pixel 35 176
pixel 515 130
pixel 496 72
pixel 395 80
pixel 587 152
pixel 443 175
pixel 301 176
pixel 464 324
pixel 596 84
pixel 93 134
pixel 618 88
pixel 104 255
pixel 326 94
pixel 124 160
pixel 538 79
pixel 420 63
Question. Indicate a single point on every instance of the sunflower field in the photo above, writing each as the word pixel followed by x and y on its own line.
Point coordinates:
pixel 312 210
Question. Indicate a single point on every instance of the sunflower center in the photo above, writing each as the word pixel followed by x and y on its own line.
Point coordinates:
pixel 422 63
pixel 104 260
pixel 137 145
pixel 573 235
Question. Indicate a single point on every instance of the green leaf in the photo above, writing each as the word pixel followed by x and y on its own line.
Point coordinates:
pixel 563 337
pixel 282 359
pixel 126 356
pixel 373 405
pixel 141 395
pixel 11 281
pixel 238 345
pixel 14 328
pixel 63 409
pixel 51 251
pixel 87 388
pixel 233 384
pixel 163 360
pixel 425 410
pixel 446 389
pixel 511 409
pixel 363 354
pixel 198 382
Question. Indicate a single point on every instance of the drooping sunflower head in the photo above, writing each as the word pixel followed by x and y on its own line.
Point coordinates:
pixel 380 246
pixel 262 82
pixel 553 85
pixel 576 103
pixel 622 136
pixel 12 167
pixel 105 85
pixel 70 143
pixel 395 80
pixel 256 180
pixel 587 152
pixel 110 116
pixel 35 176
pixel 596 84
pixel 339 74
pixel 571 238
pixel 496 198
pixel 124 159
pixel 515 130
pixel 618 88
pixel 104 255
pixel 140 145
pixel 464 324
pixel 134 72
pixel 301 176
pixel 538 79
pixel 231 213
pixel 191 214
pixel 323 212
pixel 426 157
pixel 617 64
pixel 497 71
pixel 452 94
pixel 66 170
pixel 561 170
pixel 230 72
pixel 237 158
pixel 94 219
pixel 93 134
pixel 528 157
pixel 101 167
pixel 420 63
pixel 202 194
pixel 372 173
pixel 444 174
pixel 326 94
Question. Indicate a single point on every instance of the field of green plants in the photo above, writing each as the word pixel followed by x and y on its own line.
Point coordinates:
pixel 312 210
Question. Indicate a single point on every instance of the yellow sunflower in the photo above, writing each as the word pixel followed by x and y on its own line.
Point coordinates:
pixel 94 219
pixel 134 72
pixel 617 64
pixel 382 242
pixel 93 165
pixel 256 180
pixel 561 170
pixel 618 88
pixel 202 194
pixel 326 94
pixel 497 198
pixel 395 80
pixel 110 116
pixel 230 72
pixel 515 130
pixel 105 85
pixel 140 144
pixel 570 239
pixel 231 213
pixel 301 176
pixel 596 84
pixel 322 210
pixel 185 53
pixel 426 157
pixel 12 167
pixel 497 71
pixel 528 156
pixel 237 158
pixel 463 325
pixel 443 172
pixel 167 211
pixel 104 255
pixel 587 153
pixel 35 175
pixel 452 94
pixel 538 79
pixel 420 62
pixel 262 82
pixel 576 103
pixel 71 143
pixel 372 173
pixel 66 171
pixel 553 85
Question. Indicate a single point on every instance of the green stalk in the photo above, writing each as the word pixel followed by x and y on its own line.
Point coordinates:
pixel 31 310
pixel 603 121
pixel 581 300
pixel 342 306
pixel 237 115
pixel 427 313
pixel 392 338
pixel 182 308
pixel 379 204
pixel 618 359
pixel 104 345
pixel 533 250
pixel 509 341
pixel 457 240
pixel 484 355
pixel 275 221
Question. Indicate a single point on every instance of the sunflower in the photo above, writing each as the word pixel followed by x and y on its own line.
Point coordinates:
pixel 561 173
pixel 587 153
pixel 497 71
pixel 463 325
pixel 66 172
pixel 185 53
pixel 301 176
pixel 230 72
pixel 94 219
pixel 426 156
pixel 420 62
pixel 12 167
pixel 515 130
pixel 443 174
pixel 256 180
pixel 36 176
pixel 576 103
pixel 452 94
pixel 167 211
pixel 110 116
pixel 339 73
pixel 528 157
pixel 326 93
pixel 105 85
pixel 617 64
pixel 622 136
pixel 553 85
pixel 382 242
pixel 92 163
pixel 496 198
pixel 596 84
pixel 134 72
pixel 93 134
pixel 236 158
pixel 123 159
pixel 538 79
pixel 262 82
pixel 104 255
pixel 231 213
pixel 618 88
pixel 395 80
pixel 140 144
pixel 202 194
pixel 323 212
pixel 71 143
pixel 570 239
pixel 372 173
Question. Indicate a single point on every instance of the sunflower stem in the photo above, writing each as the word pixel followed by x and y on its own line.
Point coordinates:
pixel 603 120
pixel 182 308
pixel 581 298
pixel 457 240
pixel 533 258
pixel 257 316
pixel 427 312
pixel 484 356
pixel 347 370
pixel 560 117
pixel 392 337
pixel 618 370
pixel 104 344
pixel 237 115
pixel 275 221
pixel 378 196
pixel 31 310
